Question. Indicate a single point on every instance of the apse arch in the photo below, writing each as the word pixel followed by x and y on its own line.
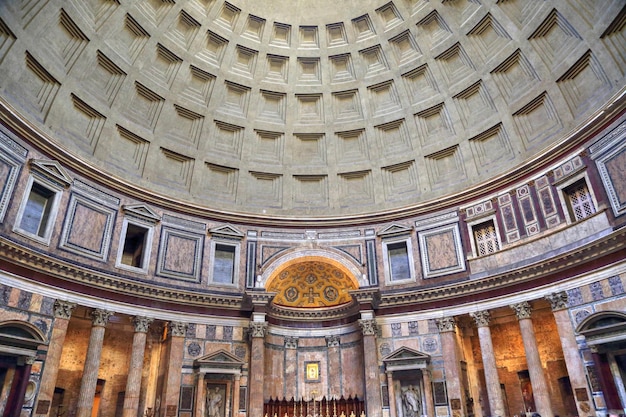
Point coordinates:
pixel 311 278
pixel 290 257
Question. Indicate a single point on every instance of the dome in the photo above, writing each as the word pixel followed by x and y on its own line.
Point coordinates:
pixel 374 208
pixel 257 109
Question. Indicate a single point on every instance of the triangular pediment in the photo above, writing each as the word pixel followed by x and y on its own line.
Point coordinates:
pixel 220 359
pixel 406 358
pixel 227 231
pixel 405 353
pixel 52 170
pixel 394 230
pixel 142 212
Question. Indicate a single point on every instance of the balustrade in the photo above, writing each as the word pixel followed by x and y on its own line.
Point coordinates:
pixel 326 407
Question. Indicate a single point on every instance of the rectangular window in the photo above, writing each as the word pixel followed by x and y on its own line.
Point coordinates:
pixel 38 210
pixel 224 264
pixel 36 215
pixel 134 245
pixel 579 200
pixel 399 264
pixel 486 238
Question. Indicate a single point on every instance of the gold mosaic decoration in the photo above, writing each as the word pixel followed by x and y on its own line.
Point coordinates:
pixel 311 284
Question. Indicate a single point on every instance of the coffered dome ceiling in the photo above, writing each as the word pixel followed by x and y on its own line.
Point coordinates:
pixel 308 108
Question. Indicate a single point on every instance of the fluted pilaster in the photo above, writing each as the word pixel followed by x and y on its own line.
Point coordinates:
pixel 62 314
pixel 372 374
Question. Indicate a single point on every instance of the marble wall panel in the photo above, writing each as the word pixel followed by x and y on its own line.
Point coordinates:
pixel 545 196
pixel 509 221
pixel 180 254
pixel 8 176
pixel 612 167
pixel 352 369
pixel 527 210
pixel 12 157
pixel 88 228
pixel 441 251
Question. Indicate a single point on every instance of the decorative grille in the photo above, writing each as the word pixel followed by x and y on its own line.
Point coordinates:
pixel 580 200
pixel 486 238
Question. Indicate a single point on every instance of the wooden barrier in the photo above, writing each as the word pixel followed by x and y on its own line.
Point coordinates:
pixel 331 407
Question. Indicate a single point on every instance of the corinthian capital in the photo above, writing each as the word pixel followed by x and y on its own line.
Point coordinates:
pixel 481 318
pixel 291 342
pixel 368 327
pixel 558 300
pixel 100 317
pixel 332 341
pixel 141 323
pixel 257 328
pixel 177 328
pixel 63 309
pixel 522 310
pixel 446 324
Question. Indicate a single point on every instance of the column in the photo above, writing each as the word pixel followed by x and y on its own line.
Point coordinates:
pixel 571 354
pixel 333 343
pixel 373 400
pixel 100 318
pixel 62 313
pixel 451 362
pixel 257 367
pixel 429 407
pixel 496 405
pixel 15 400
pixel 236 386
pixel 392 395
pixel 135 368
pixel 533 361
pixel 173 374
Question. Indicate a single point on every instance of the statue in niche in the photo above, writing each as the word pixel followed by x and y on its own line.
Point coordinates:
pixel 213 402
pixel 410 402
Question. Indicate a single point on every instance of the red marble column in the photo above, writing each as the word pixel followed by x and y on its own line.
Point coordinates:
pixel 135 368
pixel 15 400
pixel 533 361
pixel 373 398
pixel 62 313
pixel 451 362
pixel 496 404
pixel 573 361
pixel 92 363
pixel 334 364
pixel 257 366
pixel 605 378
pixel 173 374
